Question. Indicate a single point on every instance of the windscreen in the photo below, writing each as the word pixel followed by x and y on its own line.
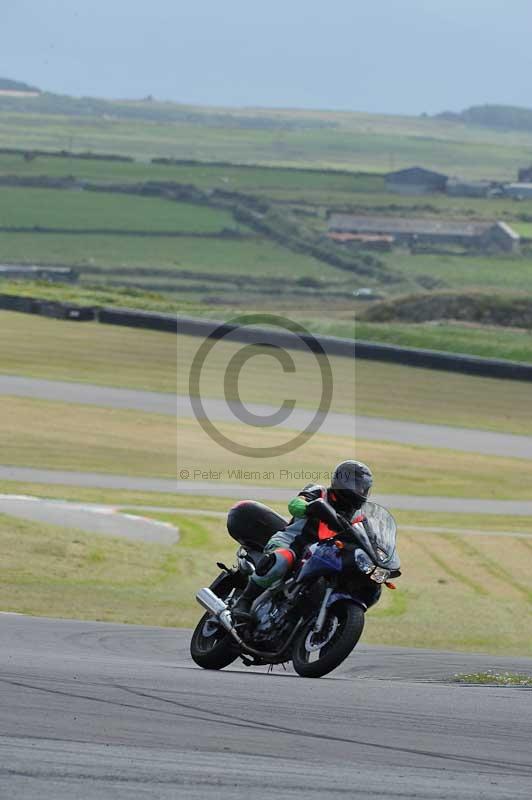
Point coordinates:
pixel 381 530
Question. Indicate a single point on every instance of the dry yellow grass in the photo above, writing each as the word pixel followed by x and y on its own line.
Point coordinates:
pixel 36 433
pixel 370 388
pixel 398 469
pixel 87 353
pixel 455 593
pixel 108 355
pixel 53 435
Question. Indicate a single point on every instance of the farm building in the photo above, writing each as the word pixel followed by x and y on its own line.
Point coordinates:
pixel 415 180
pixel 479 235
pixel 525 175
pixel 461 188
pixel 519 190
pixel 366 240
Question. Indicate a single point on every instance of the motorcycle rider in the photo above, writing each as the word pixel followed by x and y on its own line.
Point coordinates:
pixel 311 511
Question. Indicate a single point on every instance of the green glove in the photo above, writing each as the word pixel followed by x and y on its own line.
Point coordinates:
pixel 297 507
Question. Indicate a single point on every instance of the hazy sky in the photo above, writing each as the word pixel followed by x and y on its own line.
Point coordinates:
pixel 393 56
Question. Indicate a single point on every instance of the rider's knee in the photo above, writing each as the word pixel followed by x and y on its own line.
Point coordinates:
pixel 273 566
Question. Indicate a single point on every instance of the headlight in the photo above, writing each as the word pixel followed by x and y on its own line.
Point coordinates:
pixel 379 575
pixel 363 562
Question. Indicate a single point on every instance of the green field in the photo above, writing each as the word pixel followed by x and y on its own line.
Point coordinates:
pixel 127 260
pixel 293 185
pixel 475 606
pixel 496 272
pixel 54 208
pixel 435 205
pixel 486 341
pixel 353 141
pixel 523 229
pixel 257 256
pixel 255 180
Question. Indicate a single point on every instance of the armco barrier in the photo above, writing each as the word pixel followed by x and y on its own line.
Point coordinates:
pixel 12 302
pixel 138 319
pixel 46 308
pixel 193 326
pixel 372 351
pixel 49 308
pixel 448 362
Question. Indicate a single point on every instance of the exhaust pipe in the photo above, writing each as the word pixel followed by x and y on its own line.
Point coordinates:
pixel 211 602
pixel 216 606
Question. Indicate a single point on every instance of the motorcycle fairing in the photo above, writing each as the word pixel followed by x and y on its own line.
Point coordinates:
pixel 325 560
pixel 335 596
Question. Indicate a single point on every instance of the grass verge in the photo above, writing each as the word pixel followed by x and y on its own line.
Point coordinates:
pixel 490 523
pixel 52 435
pixel 494 679
pixel 107 355
pixel 63 436
pixel 57 572
pixel 122 357
pixel 452 595
pixel 398 468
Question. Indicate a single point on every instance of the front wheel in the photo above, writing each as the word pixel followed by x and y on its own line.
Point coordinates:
pixel 211 646
pixel 316 654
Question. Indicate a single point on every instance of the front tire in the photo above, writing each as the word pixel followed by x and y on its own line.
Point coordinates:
pixel 211 646
pixel 316 655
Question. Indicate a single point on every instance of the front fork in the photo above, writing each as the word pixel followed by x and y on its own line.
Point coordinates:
pixel 320 619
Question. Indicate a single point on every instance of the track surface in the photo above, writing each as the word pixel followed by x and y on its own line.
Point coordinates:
pixel 235 490
pixel 99 711
pixel 89 517
pixel 371 428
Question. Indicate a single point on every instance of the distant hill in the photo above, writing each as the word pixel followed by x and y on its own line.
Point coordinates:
pixel 512 118
pixel 152 110
pixel 6 84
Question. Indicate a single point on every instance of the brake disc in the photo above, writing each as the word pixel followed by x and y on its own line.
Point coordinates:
pixel 315 641
pixel 210 627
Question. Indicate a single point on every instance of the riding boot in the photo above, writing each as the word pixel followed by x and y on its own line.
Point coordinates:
pixel 245 601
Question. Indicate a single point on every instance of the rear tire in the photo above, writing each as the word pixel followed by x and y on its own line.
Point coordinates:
pixel 342 629
pixel 211 646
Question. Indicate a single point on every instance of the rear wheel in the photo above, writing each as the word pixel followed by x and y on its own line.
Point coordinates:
pixel 211 646
pixel 316 654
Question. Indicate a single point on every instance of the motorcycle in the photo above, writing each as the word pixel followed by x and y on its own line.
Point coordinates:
pixel 313 617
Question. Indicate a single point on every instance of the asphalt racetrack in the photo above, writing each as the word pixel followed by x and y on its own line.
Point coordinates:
pixel 96 711
pixel 91 518
pixel 371 428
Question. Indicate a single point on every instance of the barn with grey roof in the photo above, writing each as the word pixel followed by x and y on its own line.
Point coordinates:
pixel 407 230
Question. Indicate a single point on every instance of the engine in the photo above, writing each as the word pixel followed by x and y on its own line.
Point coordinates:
pixel 272 619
